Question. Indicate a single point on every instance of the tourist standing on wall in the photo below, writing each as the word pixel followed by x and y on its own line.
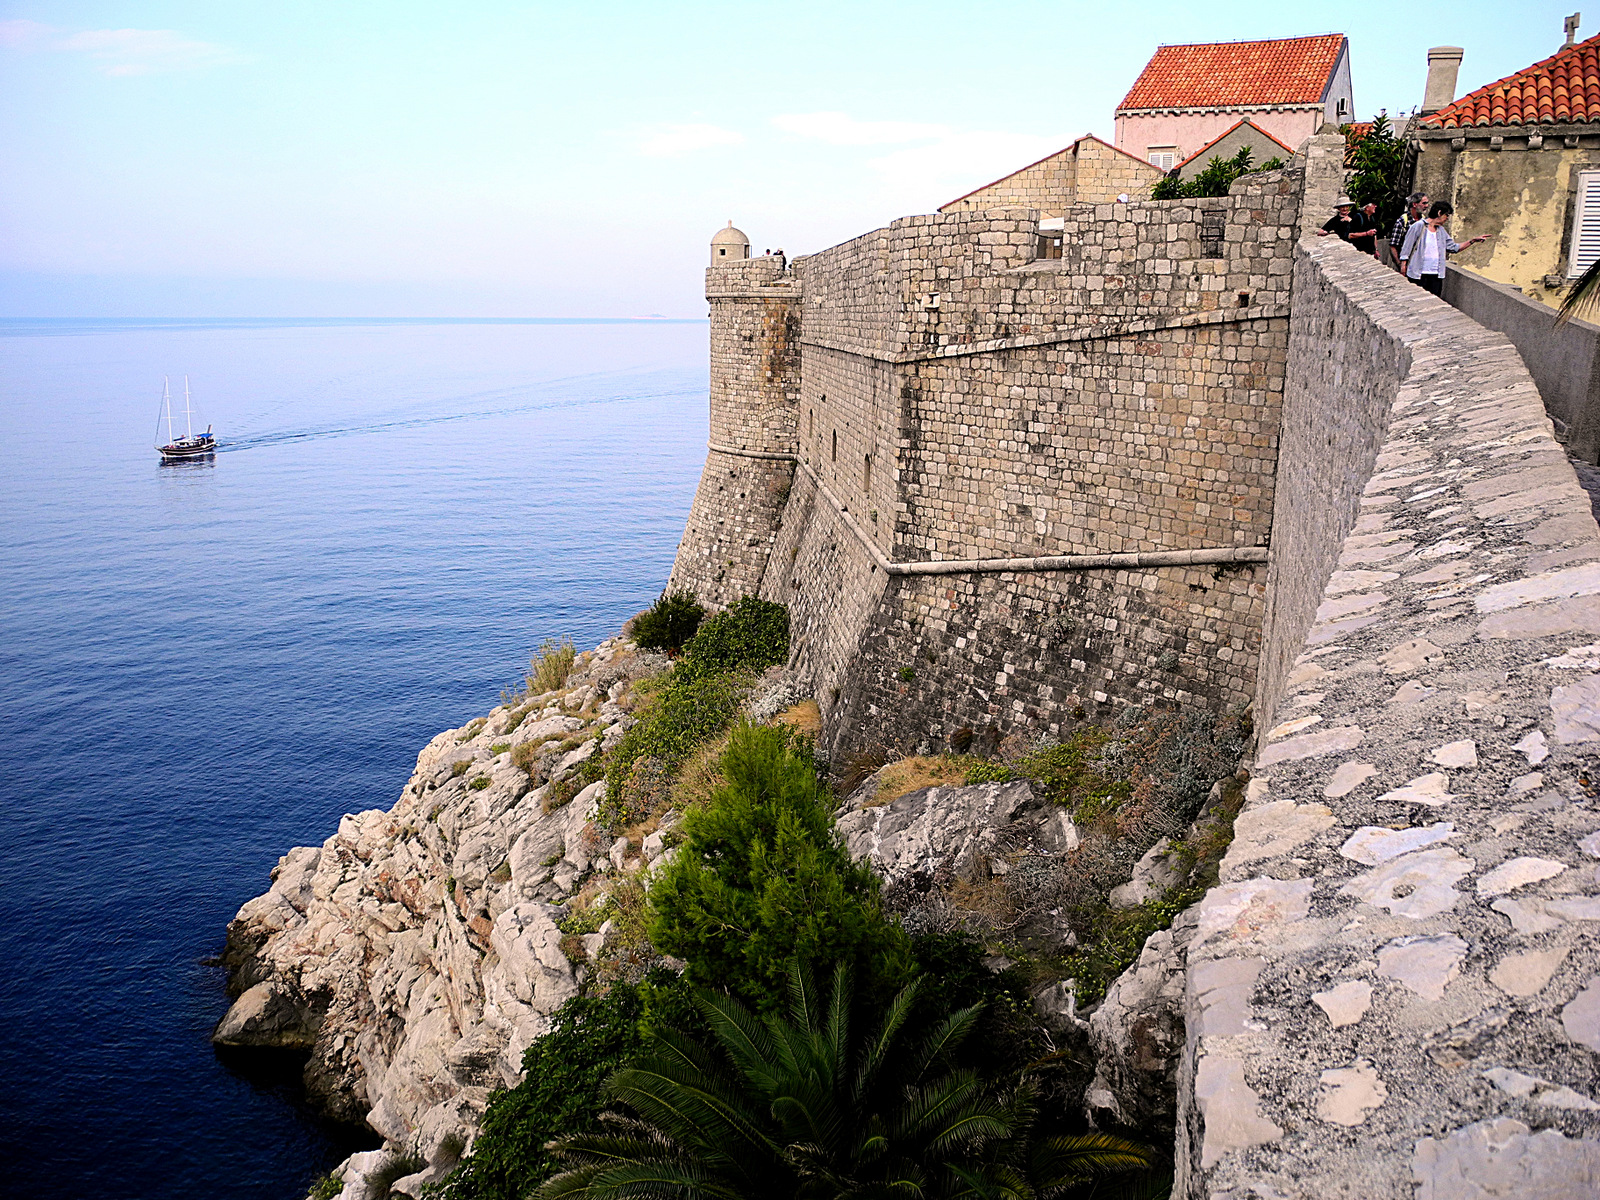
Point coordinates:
pixel 1364 235
pixel 1416 206
pixel 1428 244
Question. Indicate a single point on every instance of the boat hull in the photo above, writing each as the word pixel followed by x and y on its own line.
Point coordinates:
pixel 186 449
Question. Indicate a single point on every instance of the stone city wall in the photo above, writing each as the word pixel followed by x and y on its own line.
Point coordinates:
pixel 1395 989
pixel 1080 450
pixel 755 367
pixel 1343 375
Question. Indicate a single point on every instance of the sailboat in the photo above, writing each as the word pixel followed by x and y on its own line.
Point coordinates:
pixel 191 444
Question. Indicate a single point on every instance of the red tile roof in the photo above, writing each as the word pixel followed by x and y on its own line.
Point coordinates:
pixel 1270 153
pixel 1563 88
pixel 1353 133
pixel 1233 74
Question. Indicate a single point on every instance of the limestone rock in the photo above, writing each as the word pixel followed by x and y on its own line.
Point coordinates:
pixel 933 829
pixel 266 1015
pixel 1137 1035
pixel 415 953
pixel 1152 876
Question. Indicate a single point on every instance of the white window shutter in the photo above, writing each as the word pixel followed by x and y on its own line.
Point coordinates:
pixel 1585 225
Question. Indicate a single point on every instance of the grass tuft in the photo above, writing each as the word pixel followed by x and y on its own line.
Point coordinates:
pixel 551 665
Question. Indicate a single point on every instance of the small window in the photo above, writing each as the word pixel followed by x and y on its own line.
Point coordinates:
pixel 1049 246
pixel 1585 225
pixel 1162 156
pixel 866 474
pixel 811 422
pixel 721 250
pixel 835 455
pixel 1213 229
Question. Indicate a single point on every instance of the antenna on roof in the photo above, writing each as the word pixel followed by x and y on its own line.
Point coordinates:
pixel 1571 26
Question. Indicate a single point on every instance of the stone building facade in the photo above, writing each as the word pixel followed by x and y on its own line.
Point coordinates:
pixel 998 490
pixel 1089 171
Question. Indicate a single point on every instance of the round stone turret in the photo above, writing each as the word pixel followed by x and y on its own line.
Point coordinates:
pixel 729 245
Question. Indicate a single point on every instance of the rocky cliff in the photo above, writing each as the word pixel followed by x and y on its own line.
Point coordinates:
pixel 416 953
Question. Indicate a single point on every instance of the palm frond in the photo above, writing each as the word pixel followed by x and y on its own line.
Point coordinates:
pixel 944 1039
pixel 1583 297
pixel 1059 1162
pixel 877 1051
pixel 748 1042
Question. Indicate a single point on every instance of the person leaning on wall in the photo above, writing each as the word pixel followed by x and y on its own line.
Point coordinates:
pixel 1342 222
pixel 1428 244
pixel 1416 207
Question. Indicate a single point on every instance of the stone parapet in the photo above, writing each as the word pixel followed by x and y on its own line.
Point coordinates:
pixel 1396 984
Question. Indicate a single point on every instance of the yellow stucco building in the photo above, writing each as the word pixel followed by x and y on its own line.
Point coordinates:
pixel 1520 160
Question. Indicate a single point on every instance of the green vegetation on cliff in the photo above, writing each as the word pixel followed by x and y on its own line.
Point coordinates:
pixel 763 858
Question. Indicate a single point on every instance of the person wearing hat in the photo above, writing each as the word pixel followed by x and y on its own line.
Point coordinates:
pixel 1343 221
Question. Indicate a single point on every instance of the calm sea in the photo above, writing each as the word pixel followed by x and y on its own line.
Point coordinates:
pixel 203 665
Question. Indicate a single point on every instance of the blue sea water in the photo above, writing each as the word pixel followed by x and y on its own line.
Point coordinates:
pixel 202 665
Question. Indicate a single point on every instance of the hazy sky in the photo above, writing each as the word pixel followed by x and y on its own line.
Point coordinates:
pixel 501 159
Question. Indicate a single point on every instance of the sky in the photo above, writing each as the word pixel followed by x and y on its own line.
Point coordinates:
pixel 474 159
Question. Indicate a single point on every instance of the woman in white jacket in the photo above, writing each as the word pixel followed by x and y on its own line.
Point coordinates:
pixel 1428 244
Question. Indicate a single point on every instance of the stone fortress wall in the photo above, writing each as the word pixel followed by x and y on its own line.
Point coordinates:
pixel 1025 489
pixel 1397 982
pixel 1005 493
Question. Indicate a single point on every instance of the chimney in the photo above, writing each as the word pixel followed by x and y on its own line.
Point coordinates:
pixel 1443 64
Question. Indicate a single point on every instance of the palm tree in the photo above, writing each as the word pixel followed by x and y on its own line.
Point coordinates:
pixel 797 1106
pixel 802 1106
pixel 1583 296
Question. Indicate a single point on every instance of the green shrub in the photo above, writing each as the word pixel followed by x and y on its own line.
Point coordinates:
pixel 457 770
pixel 398 1168
pixel 668 623
pixel 590 770
pixel 499 747
pixel 750 634
pixel 551 665
pixel 479 783
pixel 1376 159
pixel 591 1037
pixel 675 718
pixel 762 877
pixel 989 772
pixel 326 1187
pixel 1214 179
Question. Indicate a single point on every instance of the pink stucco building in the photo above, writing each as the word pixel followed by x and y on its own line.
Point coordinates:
pixel 1187 96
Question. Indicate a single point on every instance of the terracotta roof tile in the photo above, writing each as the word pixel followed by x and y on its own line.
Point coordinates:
pixel 1230 74
pixel 1564 88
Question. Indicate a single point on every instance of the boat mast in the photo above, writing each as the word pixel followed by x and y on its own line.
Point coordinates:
pixel 166 397
pixel 188 412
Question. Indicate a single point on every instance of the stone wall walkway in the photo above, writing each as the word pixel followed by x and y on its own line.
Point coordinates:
pixel 1395 990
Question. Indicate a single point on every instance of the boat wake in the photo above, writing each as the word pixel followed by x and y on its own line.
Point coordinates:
pixel 257 441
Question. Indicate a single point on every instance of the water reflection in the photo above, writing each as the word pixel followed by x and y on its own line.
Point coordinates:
pixel 208 459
